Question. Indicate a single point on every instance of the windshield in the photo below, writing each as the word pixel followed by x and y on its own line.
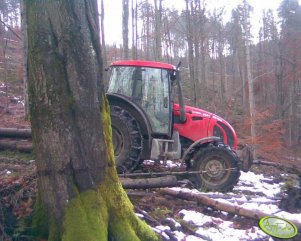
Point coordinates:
pixel 147 87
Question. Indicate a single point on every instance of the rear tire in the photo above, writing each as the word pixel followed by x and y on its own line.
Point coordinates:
pixel 214 160
pixel 127 140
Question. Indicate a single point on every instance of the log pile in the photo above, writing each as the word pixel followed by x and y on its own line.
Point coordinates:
pixel 15 139
pixel 15 133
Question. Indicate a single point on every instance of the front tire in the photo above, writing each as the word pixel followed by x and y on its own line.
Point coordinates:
pixel 220 166
pixel 127 140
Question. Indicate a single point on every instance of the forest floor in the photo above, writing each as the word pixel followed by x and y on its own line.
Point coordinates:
pixel 263 188
pixel 173 218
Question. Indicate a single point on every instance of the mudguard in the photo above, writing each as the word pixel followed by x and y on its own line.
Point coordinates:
pixel 139 115
pixel 206 140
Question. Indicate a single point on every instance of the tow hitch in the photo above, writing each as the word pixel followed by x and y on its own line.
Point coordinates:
pixel 245 155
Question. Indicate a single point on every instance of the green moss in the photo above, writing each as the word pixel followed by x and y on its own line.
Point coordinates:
pixel 86 218
pixel 54 230
pixel 39 221
pixel 123 223
pixel 107 129
pixel 160 213
pixel 102 215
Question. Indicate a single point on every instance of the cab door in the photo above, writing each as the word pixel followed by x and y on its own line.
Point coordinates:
pixel 156 100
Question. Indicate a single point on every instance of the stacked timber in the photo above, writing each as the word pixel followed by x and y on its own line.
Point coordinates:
pixel 15 139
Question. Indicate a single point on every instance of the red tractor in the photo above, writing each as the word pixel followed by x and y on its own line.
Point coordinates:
pixel 148 125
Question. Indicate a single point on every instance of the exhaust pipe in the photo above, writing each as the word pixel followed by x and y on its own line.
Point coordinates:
pixel 180 94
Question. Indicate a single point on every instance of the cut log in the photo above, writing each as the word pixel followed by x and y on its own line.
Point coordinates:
pixel 15 132
pixel 19 145
pixel 227 207
pixel 156 182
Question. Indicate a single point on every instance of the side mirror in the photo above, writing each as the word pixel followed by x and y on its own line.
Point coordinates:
pixel 173 75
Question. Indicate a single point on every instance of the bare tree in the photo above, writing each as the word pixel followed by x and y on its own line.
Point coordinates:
pixel 190 51
pixel 246 27
pixel 158 30
pixel 25 48
pixel 125 28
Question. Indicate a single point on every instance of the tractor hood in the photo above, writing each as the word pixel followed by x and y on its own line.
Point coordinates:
pixel 201 123
pixel 194 111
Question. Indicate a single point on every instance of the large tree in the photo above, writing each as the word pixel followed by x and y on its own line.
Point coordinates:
pixel 80 195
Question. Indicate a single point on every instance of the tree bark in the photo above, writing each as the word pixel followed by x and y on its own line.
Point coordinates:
pixel 81 197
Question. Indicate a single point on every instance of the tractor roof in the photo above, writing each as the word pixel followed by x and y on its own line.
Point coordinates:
pixel 144 63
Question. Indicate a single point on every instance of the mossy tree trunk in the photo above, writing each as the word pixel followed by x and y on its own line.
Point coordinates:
pixel 81 197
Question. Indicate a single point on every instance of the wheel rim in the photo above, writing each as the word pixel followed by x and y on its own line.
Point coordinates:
pixel 214 171
pixel 118 140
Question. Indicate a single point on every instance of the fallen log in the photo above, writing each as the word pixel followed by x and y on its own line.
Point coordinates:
pixel 19 145
pixel 156 182
pixel 15 132
pixel 223 206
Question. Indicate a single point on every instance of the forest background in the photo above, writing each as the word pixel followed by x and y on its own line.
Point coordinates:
pixel 249 75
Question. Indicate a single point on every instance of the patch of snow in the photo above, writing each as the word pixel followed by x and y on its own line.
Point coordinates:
pixel 177 225
pixel 171 164
pixel 183 237
pixel 290 216
pixel 22 102
pixel 198 219
pixel 267 208
pixel 140 215
pixel 220 229
pixel 163 228
pixel 149 162
pixel 254 183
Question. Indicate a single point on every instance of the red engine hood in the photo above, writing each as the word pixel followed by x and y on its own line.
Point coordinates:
pixel 194 130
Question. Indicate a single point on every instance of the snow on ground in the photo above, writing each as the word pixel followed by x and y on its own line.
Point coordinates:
pixel 224 229
pixel 254 192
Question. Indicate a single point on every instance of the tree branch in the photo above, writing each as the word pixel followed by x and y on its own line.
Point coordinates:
pixel 10 29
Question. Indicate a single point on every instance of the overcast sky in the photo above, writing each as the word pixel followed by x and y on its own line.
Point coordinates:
pixel 113 13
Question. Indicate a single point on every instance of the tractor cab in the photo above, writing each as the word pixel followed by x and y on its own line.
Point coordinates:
pixel 148 85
